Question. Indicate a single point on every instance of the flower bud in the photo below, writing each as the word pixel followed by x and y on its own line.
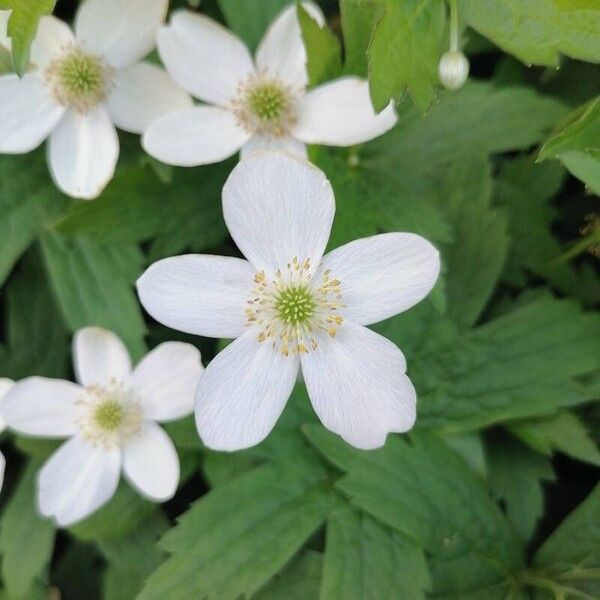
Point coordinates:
pixel 453 69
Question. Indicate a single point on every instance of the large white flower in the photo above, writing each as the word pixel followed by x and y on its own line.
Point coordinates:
pixel 290 307
pixel 81 85
pixel 5 385
pixel 110 419
pixel 254 104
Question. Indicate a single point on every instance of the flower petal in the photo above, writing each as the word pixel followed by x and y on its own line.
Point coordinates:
pixel 260 143
pixel 52 38
pixel 358 387
pixel 99 356
pixel 5 41
pixel 5 385
pixel 203 295
pixel 142 93
pixel 124 31
pixel 77 480
pixel 165 381
pixel 42 407
pixel 203 57
pixel 151 464
pixel 196 136
pixel 242 393
pixel 83 153
pixel 383 275
pixel 281 52
pixel 276 208
pixel 27 113
pixel 340 113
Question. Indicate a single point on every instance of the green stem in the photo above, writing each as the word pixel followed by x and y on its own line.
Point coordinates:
pixel 453 26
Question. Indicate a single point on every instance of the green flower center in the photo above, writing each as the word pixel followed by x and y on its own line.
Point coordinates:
pixel 295 305
pixel 79 79
pixel 109 415
pixel 268 101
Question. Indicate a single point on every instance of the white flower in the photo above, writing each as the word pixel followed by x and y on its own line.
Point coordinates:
pixel 5 385
pixel 290 307
pixel 254 104
pixel 81 85
pixel 110 419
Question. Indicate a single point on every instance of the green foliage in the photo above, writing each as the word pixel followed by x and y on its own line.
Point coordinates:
pixel 22 27
pixel 358 19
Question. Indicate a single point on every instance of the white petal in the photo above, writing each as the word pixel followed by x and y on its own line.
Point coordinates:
pixel 42 407
pixel 242 393
pixel 5 41
pixel 77 480
pixel 197 136
pixel 151 464
pixel 358 386
pixel 340 113
pixel 203 57
pixel 27 113
pixel 259 143
pixel 2 468
pixel 5 385
pixel 124 31
pixel 383 275
pixel 83 153
pixel 142 93
pixel 165 381
pixel 281 52
pixel 53 38
pixel 276 208
pixel 99 356
pixel 203 295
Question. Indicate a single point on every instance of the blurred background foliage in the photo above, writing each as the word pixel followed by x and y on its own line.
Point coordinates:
pixel 493 495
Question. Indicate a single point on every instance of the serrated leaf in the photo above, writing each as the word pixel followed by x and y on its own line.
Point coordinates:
pixel 26 539
pixel 563 432
pixel 250 18
pixel 536 31
pixel 22 27
pixel 570 557
pixel 323 51
pixel 358 19
pixel 222 552
pixel 428 494
pixel 577 145
pixel 405 50
pixel 364 560
pixel 516 476
pixel 93 285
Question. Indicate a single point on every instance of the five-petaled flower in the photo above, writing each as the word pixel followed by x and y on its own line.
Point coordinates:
pixel 111 420
pixel 79 86
pixel 254 104
pixel 290 307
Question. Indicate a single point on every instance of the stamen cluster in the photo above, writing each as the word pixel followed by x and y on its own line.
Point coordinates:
pixel 290 310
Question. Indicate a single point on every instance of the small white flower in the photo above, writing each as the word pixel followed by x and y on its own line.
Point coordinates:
pixel 111 419
pixel 81 85
pixel 290 307
pixel 254 104
pixel 5 385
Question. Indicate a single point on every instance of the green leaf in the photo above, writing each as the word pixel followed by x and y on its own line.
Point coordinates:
pixel 358 21
pixel 29 202
pixel 516 476
pixel 405 50
pixel 78 572
pixel 323 51
pixel 563 432
pixel 365 560
pixel 93 284
pixel 250 18
pixel 222 552
pixel 22 27
pixel 429 495
pixel 300 580
pixel 26 539
pixel 577 145
pixel 536 31
pixel 570 557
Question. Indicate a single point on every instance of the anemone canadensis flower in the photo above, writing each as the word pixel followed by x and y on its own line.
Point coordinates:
pixel 110 418
pixel 290 307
